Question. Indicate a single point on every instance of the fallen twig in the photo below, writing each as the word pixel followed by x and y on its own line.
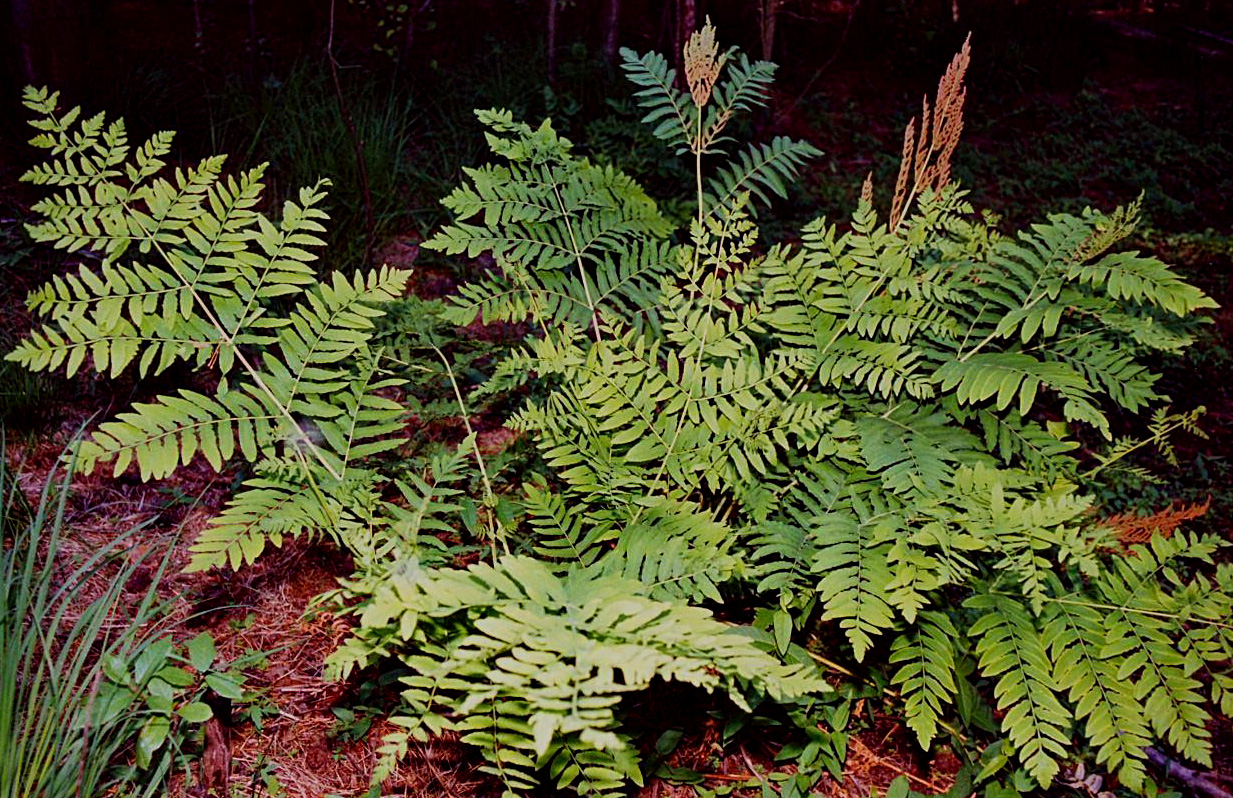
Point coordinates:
pixel 1199 782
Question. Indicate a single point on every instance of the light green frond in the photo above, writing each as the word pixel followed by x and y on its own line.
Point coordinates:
pixel 547 660
pixel 77 340
pixel 1011 651
pixel 762 170
pixel 854 575
pixel 1128 276
pixel 926 676
pixel 913 452
pixel 265 510
pixel 668 109
pixel 1113 717
pixel 676 550
pixel 1017 377
pixel 162 435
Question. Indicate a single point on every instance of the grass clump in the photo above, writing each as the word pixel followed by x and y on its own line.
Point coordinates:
pixel 59 638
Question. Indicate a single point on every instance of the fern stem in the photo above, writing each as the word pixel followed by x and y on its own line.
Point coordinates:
pixel 680 421
pixel 1171 616
pixel 539 311
pixel 577 253
pixel 1157 436
pixel 489 496
pixel 698 166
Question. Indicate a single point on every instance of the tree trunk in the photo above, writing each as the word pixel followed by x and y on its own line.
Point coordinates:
pixel 24 44
pixel 198 30
pixel 414 10
pixel 252 42
pixel 687 23
pixel 769 13
pixel 552 42
pixel 611 29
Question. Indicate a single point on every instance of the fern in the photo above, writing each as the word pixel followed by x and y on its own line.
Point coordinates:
pixel 763 170
pixel 1114 719
pixel 857 572
pixel 873 412
pixel 1011 650
pixel 1161 673
pixel 299 392
pixel 537 670
pixel 927 674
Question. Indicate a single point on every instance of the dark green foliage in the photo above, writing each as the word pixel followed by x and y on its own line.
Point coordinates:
pixel 296 125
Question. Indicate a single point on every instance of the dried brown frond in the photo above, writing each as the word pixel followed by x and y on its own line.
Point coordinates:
pixel 867 189
pixel 928 158
pixel 702 63
pixel 1131 528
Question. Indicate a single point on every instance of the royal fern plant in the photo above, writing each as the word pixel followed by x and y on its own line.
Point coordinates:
pixel 876 431
pixel 186 271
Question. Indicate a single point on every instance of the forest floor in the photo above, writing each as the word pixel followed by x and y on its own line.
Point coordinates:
pixel 317 738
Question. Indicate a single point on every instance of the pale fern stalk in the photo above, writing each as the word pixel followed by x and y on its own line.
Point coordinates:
pixel 490 500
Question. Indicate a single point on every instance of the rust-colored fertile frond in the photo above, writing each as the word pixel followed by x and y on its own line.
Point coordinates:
pixel 1131 528
pixel 867 189
pixel 927 158
pixel 702 63
pixel 948 113
pixel 905 168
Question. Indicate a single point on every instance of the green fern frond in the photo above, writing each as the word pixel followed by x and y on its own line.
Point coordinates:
pixel 926 678
pixel 668 109
pixel 579 766
pixel 761 170
pixel 676 551
pixel 266 509
pixel 1140 630
pixel 745 86
pixel 855 573
pixel 162 435
pixel 548 659
pixel 562 533
pixel 1127 276
pixel 75 341
pixel 882 368
pixel 429 499
pixel 1010 649
pixel 1015 439
pixel 912 453
pixel 1113 716
pixel 1015 376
